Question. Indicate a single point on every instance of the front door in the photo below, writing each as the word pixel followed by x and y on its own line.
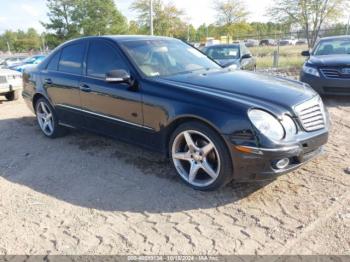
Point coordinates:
pixel 111 108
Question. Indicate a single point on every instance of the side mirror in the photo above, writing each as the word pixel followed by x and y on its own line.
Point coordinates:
pixel 305 53
pixel 246 56
pixel 118 76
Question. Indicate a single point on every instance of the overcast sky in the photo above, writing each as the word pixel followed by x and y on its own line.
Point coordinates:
pixel 21 14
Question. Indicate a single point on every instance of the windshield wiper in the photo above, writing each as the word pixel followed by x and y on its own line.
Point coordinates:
pixel 192 71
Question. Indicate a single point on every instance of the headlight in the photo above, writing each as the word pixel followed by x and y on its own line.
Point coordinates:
pixel 311 71
pixel 267 124
pixel 289 126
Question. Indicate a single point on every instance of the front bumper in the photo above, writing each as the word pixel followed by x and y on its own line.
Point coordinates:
pixel 260 163
pixel 6 88
pixel 326 86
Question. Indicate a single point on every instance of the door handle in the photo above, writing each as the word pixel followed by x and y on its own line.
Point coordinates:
pixel 48 81
pixel 85 88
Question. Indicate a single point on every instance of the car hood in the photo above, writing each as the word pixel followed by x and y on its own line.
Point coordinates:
pixel 227 62
pixel 330 60
pixel 253 88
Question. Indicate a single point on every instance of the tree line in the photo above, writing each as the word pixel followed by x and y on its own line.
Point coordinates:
pixel 68 19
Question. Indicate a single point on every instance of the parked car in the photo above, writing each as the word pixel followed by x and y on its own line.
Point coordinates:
pixel 251 42
pixel 10 84
pixel 235 56
pixel 30 61
pixel 11 61
pixel 287 41
pixel 301 42
pixel 327 69
pixel 268 42
pixel 215 124
pixel 195 45
pixel 212 41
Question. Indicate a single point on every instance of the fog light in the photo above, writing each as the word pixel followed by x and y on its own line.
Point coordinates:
pixel 283 163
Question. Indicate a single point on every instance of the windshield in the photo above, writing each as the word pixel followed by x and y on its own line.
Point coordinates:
pixel 333 47
pixel 223 52
pixel 167 57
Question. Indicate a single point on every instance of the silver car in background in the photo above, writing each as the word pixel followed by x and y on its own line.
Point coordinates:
pixel 10 84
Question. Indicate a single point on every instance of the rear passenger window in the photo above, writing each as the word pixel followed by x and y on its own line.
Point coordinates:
pixel 71 59
pixel 52 66
pixel 103 58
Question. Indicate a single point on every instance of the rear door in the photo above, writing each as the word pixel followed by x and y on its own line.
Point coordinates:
pixel 62 80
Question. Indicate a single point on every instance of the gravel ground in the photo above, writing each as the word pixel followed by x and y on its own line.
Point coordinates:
pixel 84 194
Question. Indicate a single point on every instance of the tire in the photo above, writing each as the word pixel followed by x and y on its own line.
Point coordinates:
pixel 12 96
pixel 194 149
pixel 48 120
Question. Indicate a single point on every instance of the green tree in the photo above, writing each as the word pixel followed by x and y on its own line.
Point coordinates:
pixel 98 17
pixel 134 28
pixel 74 18
pixel 20 41
pixel 61 22
pixel 167 19
pixel 8 39
pixel 231 15
pixel 310 15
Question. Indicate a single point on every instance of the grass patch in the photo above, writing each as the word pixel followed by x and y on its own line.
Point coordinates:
pixel 290 56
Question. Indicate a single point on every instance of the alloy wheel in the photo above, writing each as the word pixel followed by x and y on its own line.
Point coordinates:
pixel 196 158
pixel 45 118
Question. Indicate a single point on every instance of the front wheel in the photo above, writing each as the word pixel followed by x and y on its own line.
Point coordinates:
pixel 47 119
pixel 200 156
pixel 13 95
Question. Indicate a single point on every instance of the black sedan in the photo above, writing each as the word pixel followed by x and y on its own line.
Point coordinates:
pixel 234 56
pixel 327 69
pixel 215 124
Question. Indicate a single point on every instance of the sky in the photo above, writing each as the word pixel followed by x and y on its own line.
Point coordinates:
pixel 22 14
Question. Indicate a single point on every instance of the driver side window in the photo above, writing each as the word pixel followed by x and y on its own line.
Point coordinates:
pixel 103 58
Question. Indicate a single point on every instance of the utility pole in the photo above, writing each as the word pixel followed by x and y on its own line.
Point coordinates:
pixel 188 33
pixel 347 27
pixel 43 42
pixel 151 16
pixel 8 47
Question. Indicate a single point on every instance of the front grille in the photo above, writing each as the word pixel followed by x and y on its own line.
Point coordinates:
pixel 311 114
pixel 334 73
pixel 3 79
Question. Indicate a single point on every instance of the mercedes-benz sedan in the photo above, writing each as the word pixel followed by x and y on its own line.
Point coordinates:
pixel 216 125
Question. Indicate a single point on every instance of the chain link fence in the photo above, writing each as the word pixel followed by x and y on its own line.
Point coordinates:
pixel 282 49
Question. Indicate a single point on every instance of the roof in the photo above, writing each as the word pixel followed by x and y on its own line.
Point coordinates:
pixel 336 37
pixel 225 45
pixel 124 38
pixel 120 38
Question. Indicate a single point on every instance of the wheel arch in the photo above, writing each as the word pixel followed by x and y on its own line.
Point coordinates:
pixel 173 125
pixel 36 97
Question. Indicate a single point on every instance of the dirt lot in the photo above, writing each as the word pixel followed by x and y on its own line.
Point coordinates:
pixel 83 194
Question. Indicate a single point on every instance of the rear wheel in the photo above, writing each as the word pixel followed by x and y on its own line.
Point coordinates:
pixel 200 156
pixel 13 95
pixel 47 119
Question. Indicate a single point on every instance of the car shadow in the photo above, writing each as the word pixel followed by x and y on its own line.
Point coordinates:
pixel 3 100
pixel 336 101
pixel 90 171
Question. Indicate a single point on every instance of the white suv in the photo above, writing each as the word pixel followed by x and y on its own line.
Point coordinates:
pixel 10 84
